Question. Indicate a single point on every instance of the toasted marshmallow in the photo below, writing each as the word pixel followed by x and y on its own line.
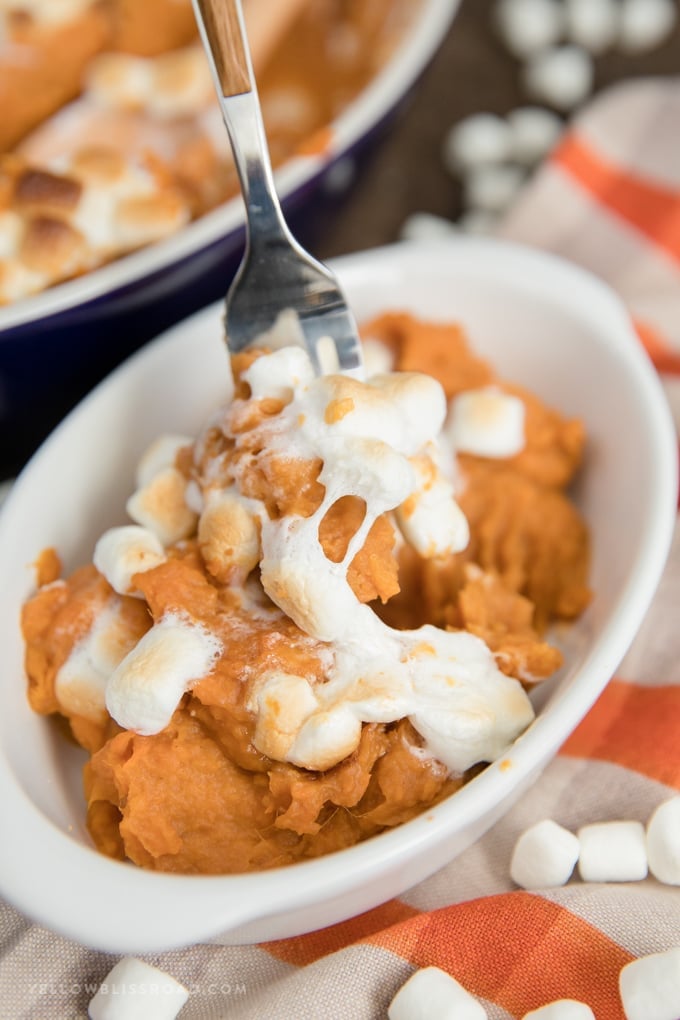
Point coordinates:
pixel 325 738
pixel 463 706
pixel 420 404
pixel 148 685
pixel 81 681
pixel 181 84
pixel 228 536
pixel 17 281
pixel 162 453
pixel 377 442
pixel 123 552
pixel 133 990
pixel 432 992
pixel 11 232
pixel 77 211
pixel 486 422
pixel 119 81
pixel 172 85
pixel 544 856
pixel 129 211
pixel 160 507
pixel 283 702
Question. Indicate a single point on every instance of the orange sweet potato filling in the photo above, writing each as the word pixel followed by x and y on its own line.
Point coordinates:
pixel 199 797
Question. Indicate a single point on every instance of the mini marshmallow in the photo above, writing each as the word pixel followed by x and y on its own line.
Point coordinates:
pixel 486 422
pixel 650 987
pixel 478 223
pixel 421 407
pixel 80 683
pixel 663 842
pixel 480 139
pixel 161 454
pixel 160 507
pixel 146 688
pixel 562 76
pixel 432 992
pixel 593 24
pixel 283 702
pixel 228 536
pixel 535 131
pixel 134 990
pixel 325 739
pixel 425 226
pixel 123 552
pixel 612 852
pixel 492 188
pixel 544 856
pixel 645 24
pixel 529 26
pixel 561 1009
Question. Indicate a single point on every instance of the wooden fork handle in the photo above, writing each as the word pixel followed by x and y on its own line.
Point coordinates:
pixel 223 23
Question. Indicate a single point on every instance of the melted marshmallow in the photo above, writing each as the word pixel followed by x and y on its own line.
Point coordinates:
pixel 376 441
pixel 80 683
pixel 145 689
pixel 369 437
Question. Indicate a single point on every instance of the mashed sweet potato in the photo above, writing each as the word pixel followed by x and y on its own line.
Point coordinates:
pixel 198 795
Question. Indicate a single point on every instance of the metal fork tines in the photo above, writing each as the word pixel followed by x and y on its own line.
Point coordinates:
pixel 277 276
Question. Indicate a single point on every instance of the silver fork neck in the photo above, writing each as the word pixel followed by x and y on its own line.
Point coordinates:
pixel 243 120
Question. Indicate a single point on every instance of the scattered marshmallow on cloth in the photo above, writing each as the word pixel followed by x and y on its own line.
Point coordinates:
pixel 609 199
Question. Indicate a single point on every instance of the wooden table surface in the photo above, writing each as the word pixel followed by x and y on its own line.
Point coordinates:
pixel 472 72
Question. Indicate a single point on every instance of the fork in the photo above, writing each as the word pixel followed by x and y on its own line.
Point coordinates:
pixel 276 275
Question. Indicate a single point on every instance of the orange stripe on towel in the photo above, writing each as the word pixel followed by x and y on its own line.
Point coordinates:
pixel 650 207
pixel 304 949
pixel 664 358
pixel 636 727
pixel 516 950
